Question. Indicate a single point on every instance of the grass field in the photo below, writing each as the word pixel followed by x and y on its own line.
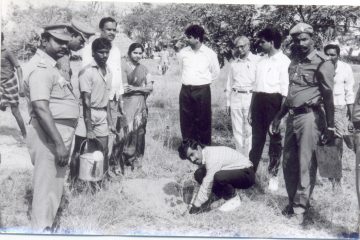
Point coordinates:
pixel 149 201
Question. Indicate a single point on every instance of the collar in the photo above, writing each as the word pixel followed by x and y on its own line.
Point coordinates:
pixel 276 55
pixel 45 57
pixel 203 156
pixel 248 58
pixel 201 49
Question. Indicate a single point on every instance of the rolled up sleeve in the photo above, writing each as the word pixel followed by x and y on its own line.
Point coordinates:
pixel 85 81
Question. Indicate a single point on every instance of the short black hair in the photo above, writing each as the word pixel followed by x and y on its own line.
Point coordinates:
pixel 185 144
pixel 271 34
pixel 134 46
pixel 104 20
pixel 332 46
pixel 100 43
pixel 196 31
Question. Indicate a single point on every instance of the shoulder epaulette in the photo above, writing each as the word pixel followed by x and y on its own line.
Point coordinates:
pixel 41 64
pixel 81 72
pixel 322 55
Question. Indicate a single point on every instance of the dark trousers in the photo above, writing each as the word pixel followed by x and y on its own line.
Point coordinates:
pixel 264 108
pixel 225 181
pixel 195 113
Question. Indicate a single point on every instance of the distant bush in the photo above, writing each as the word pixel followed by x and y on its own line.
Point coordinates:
pixel 351 59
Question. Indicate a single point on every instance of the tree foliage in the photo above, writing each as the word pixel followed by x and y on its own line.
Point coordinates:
pixel 223 22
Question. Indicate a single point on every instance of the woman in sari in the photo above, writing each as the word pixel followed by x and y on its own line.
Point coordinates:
pixel 137 87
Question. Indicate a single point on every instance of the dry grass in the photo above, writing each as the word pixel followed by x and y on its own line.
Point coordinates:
pixel 149 201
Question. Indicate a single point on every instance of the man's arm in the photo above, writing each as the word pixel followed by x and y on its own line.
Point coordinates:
pixel 214 67
pixel 325 76
pixel 274 126
pixel 19 74
pixel 44 116
pixel 228 90
pixel 86 101
pixel 109 118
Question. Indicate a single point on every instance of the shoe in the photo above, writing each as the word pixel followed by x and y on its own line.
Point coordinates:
pixel 231 204
pixel 288 211
pixel 273 184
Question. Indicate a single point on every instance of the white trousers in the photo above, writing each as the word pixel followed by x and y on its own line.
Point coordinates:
pixel 240 104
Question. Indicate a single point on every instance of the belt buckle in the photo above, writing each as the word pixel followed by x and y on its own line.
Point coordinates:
pixel 291 111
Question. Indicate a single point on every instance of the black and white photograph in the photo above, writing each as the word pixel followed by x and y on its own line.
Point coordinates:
pixel 180 119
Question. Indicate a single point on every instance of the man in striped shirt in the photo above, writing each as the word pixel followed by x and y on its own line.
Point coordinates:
pixel 221 170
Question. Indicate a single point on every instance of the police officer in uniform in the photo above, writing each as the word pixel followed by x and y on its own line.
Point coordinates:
pixel 54 111
pixel 356 122
pixel 311 82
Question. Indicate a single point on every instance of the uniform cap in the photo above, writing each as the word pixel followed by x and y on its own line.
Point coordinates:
pixel 59 31
pixel 83 29
pixel 301 28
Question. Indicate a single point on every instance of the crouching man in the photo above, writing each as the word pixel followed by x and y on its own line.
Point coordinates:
pixel 221 170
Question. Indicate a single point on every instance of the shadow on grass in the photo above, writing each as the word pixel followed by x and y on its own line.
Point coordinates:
pixel 168 141
pixel 13 132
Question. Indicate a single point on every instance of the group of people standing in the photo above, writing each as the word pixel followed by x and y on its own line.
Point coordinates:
pixel 63 106
pixel 313 89
pixel 106 101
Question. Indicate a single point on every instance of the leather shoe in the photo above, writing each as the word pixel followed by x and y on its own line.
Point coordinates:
pixel 288 211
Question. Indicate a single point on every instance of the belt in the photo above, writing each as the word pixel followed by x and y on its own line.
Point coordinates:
pixel 301 110
pixel 70 122
pixel 242 91
pixel 191 87
pixel 100 109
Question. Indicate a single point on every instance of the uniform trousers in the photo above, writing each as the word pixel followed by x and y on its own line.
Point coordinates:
pixel 299 160
pixel 357 164
pixel 225 181
pixel 48 178
pixel 264 108
pixel 240 104
pixel 195 113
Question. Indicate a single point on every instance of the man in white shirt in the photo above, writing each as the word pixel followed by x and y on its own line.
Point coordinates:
pixel 199 67
pixel 271 89
pixel 239 86
pixel 221 171
pixel 343 100
pixel 108 30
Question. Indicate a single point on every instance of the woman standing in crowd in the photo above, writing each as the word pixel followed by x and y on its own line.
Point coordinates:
pixel 137 87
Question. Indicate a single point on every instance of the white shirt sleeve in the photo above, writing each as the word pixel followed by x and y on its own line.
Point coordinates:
pixel 214 67
pixel 284 77
pixel 349 86
pixel 228 86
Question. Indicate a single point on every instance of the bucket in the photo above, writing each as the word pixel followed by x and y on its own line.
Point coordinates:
pixel 91 161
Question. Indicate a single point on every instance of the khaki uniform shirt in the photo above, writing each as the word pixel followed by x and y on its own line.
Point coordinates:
pixel 309 79
pixel 43 81
pixel 92 81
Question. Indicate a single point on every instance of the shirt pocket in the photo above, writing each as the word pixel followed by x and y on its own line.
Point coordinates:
pixel 308 79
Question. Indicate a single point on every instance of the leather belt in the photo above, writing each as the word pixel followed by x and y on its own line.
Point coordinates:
pixel 70 122
pixel 99 108
pixel 301 110
pixel 242 91
pixel 193 87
